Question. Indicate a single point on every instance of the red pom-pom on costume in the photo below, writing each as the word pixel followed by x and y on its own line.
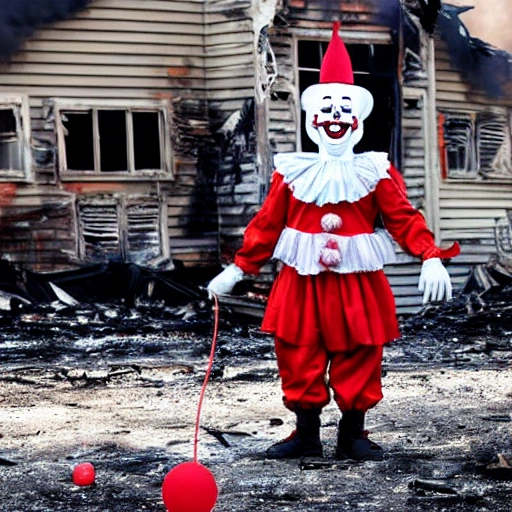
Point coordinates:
pixel 189 487
pixel 330 255
pixel 84 474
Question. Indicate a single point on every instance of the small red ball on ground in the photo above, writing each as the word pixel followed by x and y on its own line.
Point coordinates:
pixel 84 474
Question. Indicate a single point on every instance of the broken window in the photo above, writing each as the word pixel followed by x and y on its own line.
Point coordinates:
pixel 374 68
pixel 112 140
pixel 492 132
pixel 476 144
pixel 460 150
pixel 14 137
pixel 128 229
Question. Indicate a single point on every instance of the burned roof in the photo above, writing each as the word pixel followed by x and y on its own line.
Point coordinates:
pixel 483 67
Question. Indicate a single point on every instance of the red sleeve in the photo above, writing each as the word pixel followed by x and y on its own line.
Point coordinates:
pixel 262 233
pixel 405 223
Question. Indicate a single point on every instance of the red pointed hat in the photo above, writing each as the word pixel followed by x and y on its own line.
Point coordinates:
pixel 336 64
pixel 336 75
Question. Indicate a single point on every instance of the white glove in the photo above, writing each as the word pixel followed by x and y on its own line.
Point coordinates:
pixel 434 281
pixel 225 281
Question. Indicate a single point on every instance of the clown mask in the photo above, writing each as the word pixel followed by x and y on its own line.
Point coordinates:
pixel 336 107
pixel 334 114
pixel 335 117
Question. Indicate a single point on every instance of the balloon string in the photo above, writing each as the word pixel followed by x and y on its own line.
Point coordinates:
pixel 208 371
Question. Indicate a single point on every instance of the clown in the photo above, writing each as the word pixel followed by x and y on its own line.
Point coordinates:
pixel 331 309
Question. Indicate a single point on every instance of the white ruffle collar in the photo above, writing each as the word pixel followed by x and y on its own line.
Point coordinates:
pixel 321 181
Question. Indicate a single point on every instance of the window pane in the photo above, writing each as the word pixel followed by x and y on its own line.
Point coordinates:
pixel 383 60
pixel 309 54
pixel 459 140
pixel 7 123
pixel 78 140
pixel 10 149
pixel 491 135
pixel 146 140
pixel 307 78
pixel 359 55
pixel 113 145
pixel 323 45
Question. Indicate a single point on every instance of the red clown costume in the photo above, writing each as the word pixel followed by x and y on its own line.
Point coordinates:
pixel 331 308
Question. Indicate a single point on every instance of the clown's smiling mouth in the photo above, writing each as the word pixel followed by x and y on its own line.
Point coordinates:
pixel 335 130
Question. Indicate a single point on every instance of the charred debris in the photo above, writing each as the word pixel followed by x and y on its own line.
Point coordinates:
pixel 472 330
pixel 102 299
pixel 118 298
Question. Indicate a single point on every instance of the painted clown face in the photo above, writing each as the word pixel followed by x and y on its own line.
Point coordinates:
pixel 334 115
pixel 335 118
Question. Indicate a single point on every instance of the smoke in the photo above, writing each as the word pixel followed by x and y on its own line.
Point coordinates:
pixel 19 19
pixel 489 21
pixel 483 66
pixel 388 13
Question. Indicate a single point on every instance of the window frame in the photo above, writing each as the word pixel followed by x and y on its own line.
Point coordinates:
pixel 166 172
pixel 478 172
pixel 19 103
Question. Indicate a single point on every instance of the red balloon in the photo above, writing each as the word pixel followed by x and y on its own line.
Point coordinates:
pixel 84 474
pixel 189 487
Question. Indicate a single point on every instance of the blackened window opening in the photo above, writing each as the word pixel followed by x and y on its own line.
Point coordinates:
pixel 459 144
pixel 113 140
pixel 7 123
pixel 374 67
pixel 10 144
pixel 146 140
pixel 476 144
pixel 79 140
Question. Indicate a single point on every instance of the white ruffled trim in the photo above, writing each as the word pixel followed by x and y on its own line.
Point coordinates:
pixel 313 180
pixel 367 252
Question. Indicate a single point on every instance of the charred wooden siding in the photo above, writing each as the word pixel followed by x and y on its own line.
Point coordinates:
pixel 413 145
pixel 403 276
pixel 120 50
pixel 230 78
pixel 469 207
pixel 229 47
pixel 284 103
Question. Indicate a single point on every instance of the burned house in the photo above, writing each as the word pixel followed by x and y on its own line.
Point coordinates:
pixel 144 131
pixel 105 134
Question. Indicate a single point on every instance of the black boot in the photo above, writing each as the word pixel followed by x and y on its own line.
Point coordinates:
pixel 304 441
pixel 353 442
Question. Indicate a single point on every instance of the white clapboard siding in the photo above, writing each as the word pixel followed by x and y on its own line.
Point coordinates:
pixel 282 108
pixel 468 209
pixel 125 49
pixel 230 77
pixel 403 277
pixel 229 50
pixel 113 50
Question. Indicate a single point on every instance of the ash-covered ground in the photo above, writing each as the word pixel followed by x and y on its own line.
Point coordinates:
pixel 118 387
